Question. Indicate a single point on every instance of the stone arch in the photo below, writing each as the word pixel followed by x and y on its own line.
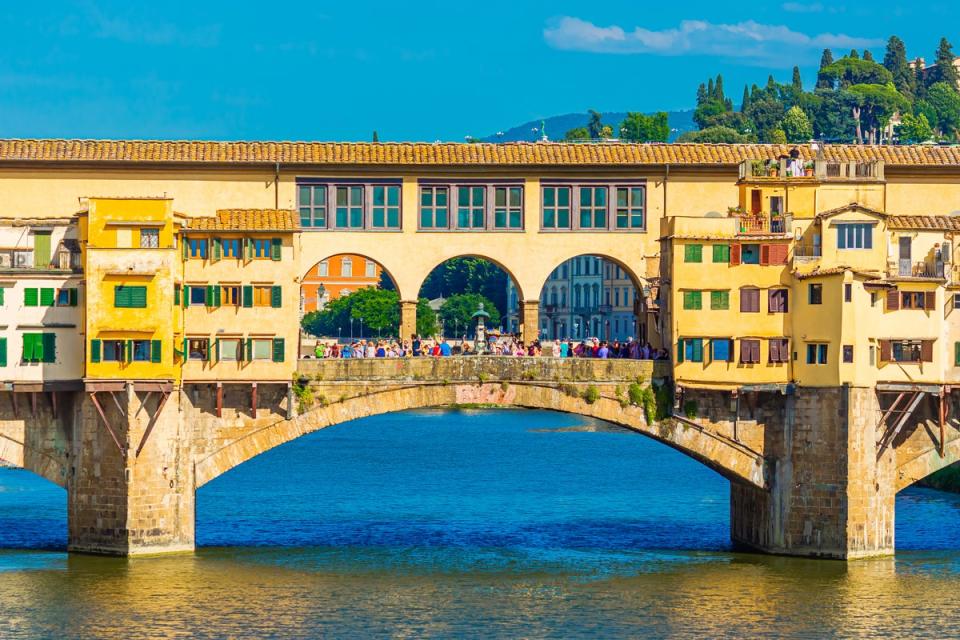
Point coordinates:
pixel 925 464
pixel 732 460
pixel 41 464
pixel 517 285
pixel 306 274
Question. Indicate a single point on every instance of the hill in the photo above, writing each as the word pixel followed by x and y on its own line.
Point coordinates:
pixel 557 126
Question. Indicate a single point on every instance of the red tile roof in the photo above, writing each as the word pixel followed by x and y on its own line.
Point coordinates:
pixel 247 220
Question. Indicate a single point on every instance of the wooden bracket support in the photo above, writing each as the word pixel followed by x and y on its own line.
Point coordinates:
pixel 153 420
pixel 33 404
pixel 13 401
pixel 219 399
pixel 253 398
pixel 106 423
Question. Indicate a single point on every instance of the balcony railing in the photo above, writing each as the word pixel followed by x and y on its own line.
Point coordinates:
pixel 760 224
pixel 783 168
pixel 24 259
pixel 908 269
pixel 807 252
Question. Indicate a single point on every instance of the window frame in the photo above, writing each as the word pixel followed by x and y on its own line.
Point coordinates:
pixel 488 208
pixel 611 187
pixel 846 231
pixel 815 287
pixel 367 206
pixel 150 233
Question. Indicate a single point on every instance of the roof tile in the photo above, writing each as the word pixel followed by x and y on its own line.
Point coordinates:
pixel 247 220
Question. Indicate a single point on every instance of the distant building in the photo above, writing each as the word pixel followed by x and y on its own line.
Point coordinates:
pixel 927 68
pixel 337 276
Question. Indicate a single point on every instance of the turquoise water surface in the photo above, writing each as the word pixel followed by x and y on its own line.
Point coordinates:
pixel 469 524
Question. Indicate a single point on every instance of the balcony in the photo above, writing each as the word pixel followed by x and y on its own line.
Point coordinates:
pixel 909 269
pixel 23 259
pixel 807 252
pixel 810 170
pixel 748 224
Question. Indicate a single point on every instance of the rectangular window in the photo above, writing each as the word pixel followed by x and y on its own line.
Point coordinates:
pixel 198 295
pixel 721 349
pixel 346 267
pixel 260 247
pixel 907 351
pixel 434 208
pixel 113 350
pixel 197 248
pixel 198 349
pixel 779 349
pixel 385 212
pixel 149 238
pixel 777 300
pixel 63 297
pixel 141 350
pixel 815 293
pixel 313 206
pixel 630 203
pixel 593 207
pixel 816 353
pixel 471 206
pixel 693 253
pixel 956 354
pixel 262 349
pixel 847 292
pixel 230 295
pixel 693 349
pixel 721 253
pixel 230 247
pixel 848 353
pixel 917 299
pixel 349 207
pixel 323 268
pixel 692 300
pixel 750 351
pixel 229 349
pixel 371 269
pixel 508 208
pixel 750 300
pixel 719 300
pixel 556 207
pixel 129 297
pixel 750 254
pixel 956 301
pixel 854 236
pixel 262 296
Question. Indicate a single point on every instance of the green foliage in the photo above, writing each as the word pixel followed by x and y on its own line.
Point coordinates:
pixel 591 394
pixel 945 102
pixel 690 409
pixel 943 70
pixel 595 125
pixel 504 386
pixel 379 309
pixel 637 127
pixel 796 125
pixel 714 134
pixel 895 61
pixel 873 104
pixel 777 136
pixel 578 133
pixel 571 390
pixel 426 319
pixel 848 71
pixel 635 393
pixel 458 310
pixel 304 395
pixel 914 129
pixel 705 114
pixel 467 275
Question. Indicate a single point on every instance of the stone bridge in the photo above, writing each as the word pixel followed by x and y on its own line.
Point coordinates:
pixel 806 475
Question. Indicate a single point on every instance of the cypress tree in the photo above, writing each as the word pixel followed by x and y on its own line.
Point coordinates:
pixel 826 59
pixel 701 94
pixel 797 81
pixel 867 55
pixel 745 103
pixel 945 71
pixel 853 54
pixel 710 88
pixel 919 81
pixel 718 87
pixel 895 61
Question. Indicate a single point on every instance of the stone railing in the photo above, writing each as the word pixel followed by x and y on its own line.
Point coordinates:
pixel 472 368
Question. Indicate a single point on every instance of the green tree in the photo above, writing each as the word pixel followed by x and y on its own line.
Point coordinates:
pixel 467 275
pixel 926 109
pixel 765 112
pixel 577 133
pixel 943 70
pixel 872 107
pixel 796 125
pixel 826 59
pixel 379 309
pixel 777 136
pixel 594 126
pixel 797 82
pixel 715 134
pixel 637 127
pixel 705 114
pixel 833 120
pixel 867 55
pixel 895 61
pixel 426 319
pixel 945 102
pixel 847 72
pixel 914 129
pixel 457 312
pixel 745 102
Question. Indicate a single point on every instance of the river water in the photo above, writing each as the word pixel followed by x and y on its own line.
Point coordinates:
pixel 511 523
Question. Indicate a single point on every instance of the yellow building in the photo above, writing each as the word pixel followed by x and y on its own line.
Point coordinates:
pixel 240 296
pixel 131 263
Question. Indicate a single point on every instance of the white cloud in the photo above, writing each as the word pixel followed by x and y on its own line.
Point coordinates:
pixel 802 7
pixel 769 44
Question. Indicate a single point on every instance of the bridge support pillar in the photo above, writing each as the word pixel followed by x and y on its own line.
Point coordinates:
pixel 830 496
pixel 408 319
pixel 530 320
pixel 132 487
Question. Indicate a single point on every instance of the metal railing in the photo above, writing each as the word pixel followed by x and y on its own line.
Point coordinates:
pixel 754 224
pixel 908 269
pixel 25 259
pixel 807 252
pixel 785 168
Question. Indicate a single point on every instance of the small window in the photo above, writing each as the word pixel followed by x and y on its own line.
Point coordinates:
pixel 63 297
pixel 721 253
pixel 198 295
pixel 262 349
pixel 854 236
pixel 385 212
pixel 198 349
pixel 750 254
pixel 719 300
pixel 750 351
pixel 349 207
pixel 815 293
pixel 692 349
pixel 956 301
pixel 630 201
pixel 261 296
pixel 693 253
pixel 593 207
pixel 471 206
pixel 261 248
pixel 847 292
pixel 313 205
pixel 323 269
pixel 508 208
pixel 141 351
pixel 749 300
pixel 721 349
pixel 230 247
pixel 113 350
pixel 149 238
pixel 779 349
pixel 816 353
pixel 197 248
pixel 346 267
pixel 778 300
pixel 556 208
pixel 847 353
pixel 692 300
pixel 371 269
pixel 230 295
pixel 229 349
pixel 129 297
pixel 434 208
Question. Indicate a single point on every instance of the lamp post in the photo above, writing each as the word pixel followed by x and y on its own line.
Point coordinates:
pixel 361 328
pixel 351 329
pixel 480 337
pixel 338 334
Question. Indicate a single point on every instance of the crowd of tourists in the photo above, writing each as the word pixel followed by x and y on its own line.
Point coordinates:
pixel 502 346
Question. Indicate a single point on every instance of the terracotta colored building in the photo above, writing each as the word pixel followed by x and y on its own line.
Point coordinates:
pixel 336 276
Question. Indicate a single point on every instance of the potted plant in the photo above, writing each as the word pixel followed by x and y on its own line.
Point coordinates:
pixel 773 168
pixel 758 168
pixel 808 168
pixel 735 211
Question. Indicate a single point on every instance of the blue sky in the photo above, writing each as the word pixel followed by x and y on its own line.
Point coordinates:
pixel 413 71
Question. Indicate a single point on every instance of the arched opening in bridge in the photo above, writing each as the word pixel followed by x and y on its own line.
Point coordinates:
pixel 455 289
pixel 348 297
pixel 33 511
pixel 591 296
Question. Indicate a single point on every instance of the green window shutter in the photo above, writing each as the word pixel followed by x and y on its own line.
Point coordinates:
pixel 216 295
pixel 679 350
pixel 3 352
pixel 278 350
pixel 216 249
pixel 207 357
pixel 248 296
pixel 720 300
pixel 138 297
pixel 248 248
pixel 184 247
pixel 186 295
pixel 215 351
pixel 956 354
pixel 248 350
pixel 276 296
pixel 94 350
pixel 47 296
pixel 128 351
pixel 698 350
pixel 28 347
pixel 36 347
pixel 176 295
pixel 692 300
pixel 1 296
pixel 49 342
pixel 156 353
pixel 74 296
pixel 210 295
pixel 721 253
pixel 121 297
pixel 31 297
pixel 276 247
pixel 186 344
pixel 693 253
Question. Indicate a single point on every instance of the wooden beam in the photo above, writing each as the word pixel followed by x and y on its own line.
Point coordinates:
pixel 943 423
pixel 253 398
pixel 106 423
pixel 13 401
pixel 117 402
pixel 893 407
pixel 33 404
pixel 53 404
pixel 153 421
pixel 143 404
pixel 219 399
pixel 892 433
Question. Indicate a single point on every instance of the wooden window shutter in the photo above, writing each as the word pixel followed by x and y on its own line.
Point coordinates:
pixel 893 300
pixel 956 354
pixel 94 350
pixel 778 254
pixel 930 300
pixel 278 349
pixel 926 351
pixel 679 350
pixel 176 295
pixel 247 295
pixel 73 296
pixel 886 351
pixel 276 296
pixel 3 352
pixel 214 351
pixel 774 348
pixel 734 254
pixel 216 295
pixel 276 248
pixel 1 296
pixel 49 341
pixel 248 351
pixel 216 249
pixel 31 297
pixel 764 254
pixel 156 351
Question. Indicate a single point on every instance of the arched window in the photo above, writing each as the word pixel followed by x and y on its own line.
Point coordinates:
pixel 563 296
pixel 553 296
pixel 346 267
pixel 577 299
